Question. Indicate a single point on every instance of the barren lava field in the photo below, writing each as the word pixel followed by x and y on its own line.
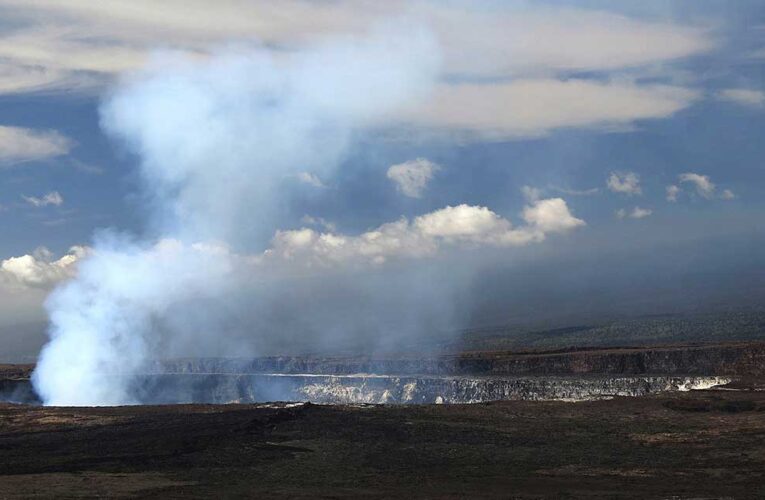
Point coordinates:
pixel 697 444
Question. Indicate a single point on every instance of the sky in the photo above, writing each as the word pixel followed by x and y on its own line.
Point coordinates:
pixel 581 157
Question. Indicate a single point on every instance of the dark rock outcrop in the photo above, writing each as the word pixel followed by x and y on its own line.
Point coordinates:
pixel 739 359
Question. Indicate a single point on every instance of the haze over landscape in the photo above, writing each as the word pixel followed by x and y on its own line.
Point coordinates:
pixel 400 249
pixel 335 174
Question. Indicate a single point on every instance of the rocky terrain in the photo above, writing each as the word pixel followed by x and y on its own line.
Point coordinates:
pixel 573 374
pixel 682 445
pixel 718 326
pixel 696 431
pixel 389 389
pixel 731 358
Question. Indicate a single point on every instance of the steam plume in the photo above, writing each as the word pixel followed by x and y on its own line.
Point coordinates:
pixel 214 137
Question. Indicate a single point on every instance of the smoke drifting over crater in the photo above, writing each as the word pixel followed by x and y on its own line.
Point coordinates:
pixel 215 137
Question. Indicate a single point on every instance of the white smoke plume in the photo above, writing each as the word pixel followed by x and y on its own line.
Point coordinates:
pixel 214 136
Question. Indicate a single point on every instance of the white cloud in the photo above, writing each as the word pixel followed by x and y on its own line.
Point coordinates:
pixel 18 76
pixel 639 213
pixel 52 198
pixel 672 192
pixel 704 186
pixel 531 108
pixel 577 192
pixel 516 41
pixel 19 144
pixel 517 52
pixel 531 193
pixel 461 225
pixel 743 97
pixel 318 221
pixel 412 177
pixel 85 167
pixel 624 182
pixel 64 43
pixel 452 226
pixel 550 216
pixel 635 213
pixel 38 269
pixel 310 179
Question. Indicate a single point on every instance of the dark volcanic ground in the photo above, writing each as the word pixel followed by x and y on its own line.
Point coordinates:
pixel 701 444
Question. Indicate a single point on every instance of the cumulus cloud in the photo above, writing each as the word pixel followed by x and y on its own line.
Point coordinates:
pixel 19 144
pixel 624 182
pixel 703 184
pixel 449 227
pixel 52 198
pixel 463 223
pixel 318 221
pixel 310 179
pixel 412 177
pixel 672 192
pixel 635 213
pixel 39 269
pixel 452 226
pixel 531 193
pixel 550 216
pixel 639 213
pixel 743 97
